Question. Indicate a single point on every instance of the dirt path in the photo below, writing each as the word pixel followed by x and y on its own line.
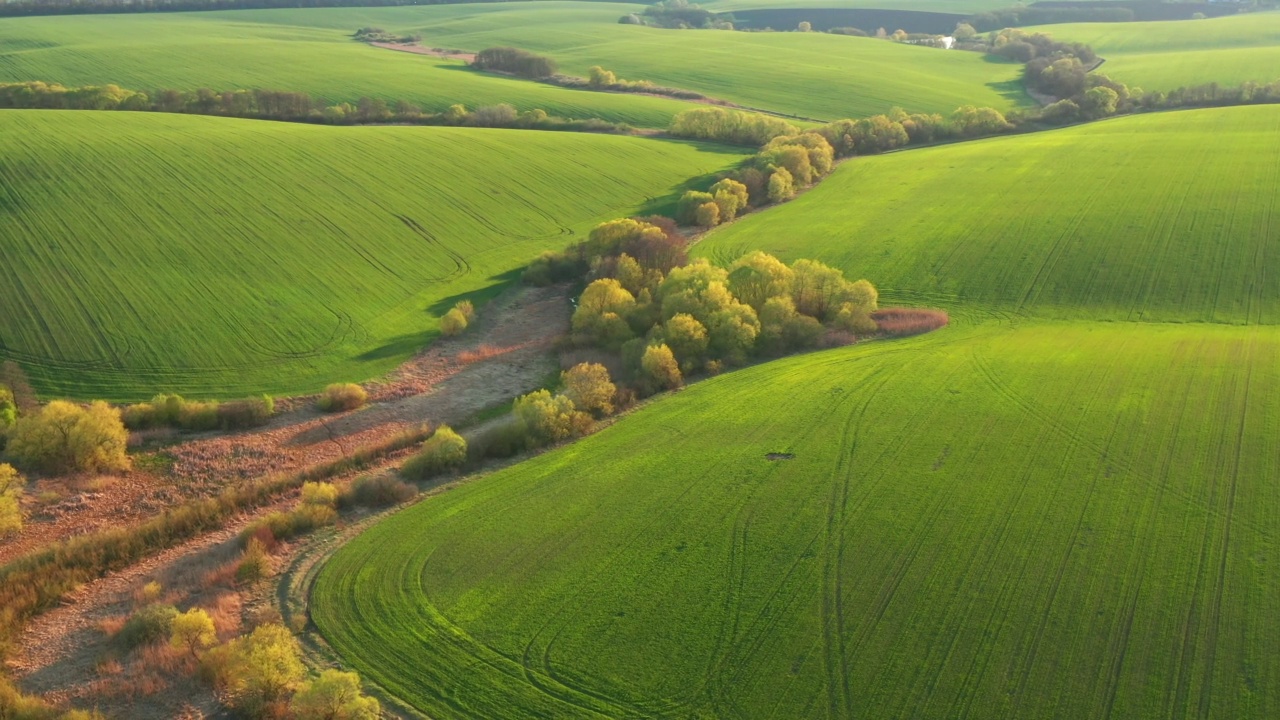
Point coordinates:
pixel 64 653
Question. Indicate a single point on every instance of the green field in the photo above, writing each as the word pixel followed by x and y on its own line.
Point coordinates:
pixel 215 256
pixel 1031 514
pixel 811 75
pixel 1168 217
pixel 299 50
pixel 1167 55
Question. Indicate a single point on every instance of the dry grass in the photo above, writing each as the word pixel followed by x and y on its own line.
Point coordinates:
pixel 900 322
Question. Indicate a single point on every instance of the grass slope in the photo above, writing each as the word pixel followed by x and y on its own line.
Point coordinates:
pixel 214 256
pixel 1167 55
pixel 227 51
pixel 310 50
pixel 1163 217
pixel 1029 514
pixel 1060 520
pixel 774 71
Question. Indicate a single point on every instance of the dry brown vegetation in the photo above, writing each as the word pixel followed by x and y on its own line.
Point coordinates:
pixel 900 322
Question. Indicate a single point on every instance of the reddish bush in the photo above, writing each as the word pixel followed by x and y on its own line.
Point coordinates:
pixel 900 322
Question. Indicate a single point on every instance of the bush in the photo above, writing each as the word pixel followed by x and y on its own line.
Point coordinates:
pixel 376 491
pixel 192 631
pixel 453 322
pixel 689 204
pixel 319 493
pixel 8 409
pixel 503 439
pixel 467 309
pixel 262 669
pixel 659 368
pixel 589 387
pixel 342 396
pixel 707 215
pixel 545 418
pixel 11 485
pixel 335 695
pixel 443 451
pixel 151 624
pixel 64 437
pixel 247 413
pixel 254 563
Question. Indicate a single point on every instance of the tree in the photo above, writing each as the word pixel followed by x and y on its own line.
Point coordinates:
pixel 733 331
pixel 602 311
pixel 707 215
pixel 727 205
pixel 546 418
pixel 781 185
pixel 818 288
pixel 758 276
pixel 264 667
pixel 687 339
pixel 64 437
pixel 659 368
pixel 794 159
pixel 738 190
pixel 689 204
pixel 8 408
pixel 192 631
pixel 11 485
pixel 335 695
pixel 589 387
pixel 634 277
pixel 599 77
pixel 1099 102
pixel 964 31
pixel 804 26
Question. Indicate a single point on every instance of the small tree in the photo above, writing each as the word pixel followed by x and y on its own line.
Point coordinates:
pixel 599 77
pixel 319 493
pixel 11 485
pixel 688 205
pixel 707 215
pixel 659 367
pixel 781 185
pixel 453 322
pixel 443 451
pixel 263 668
pixel 467 308
pixel 8 409
pixel 687 339
pixel 192 631
pixel 589 387
pixel 335 695
pixel 805 26
pixel 964 31
pixel 64 437
pixel 545 418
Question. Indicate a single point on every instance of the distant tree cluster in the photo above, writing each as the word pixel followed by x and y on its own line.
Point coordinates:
pixel 373 34
pixel 80 7
pixel 675 15
pixel 64 437
pixel 175 411
pixel 287 106
pixel 1032 15
pixel 515 61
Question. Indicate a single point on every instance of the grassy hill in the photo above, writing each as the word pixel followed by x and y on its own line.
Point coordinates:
pixel 1167 55
pixel 1030 514
pixel 215 256
pixel 1162 217
pixel 226 51
pixel 812 75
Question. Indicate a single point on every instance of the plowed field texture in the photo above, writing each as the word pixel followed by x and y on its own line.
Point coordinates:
pixel 1064 505
pixel 210 256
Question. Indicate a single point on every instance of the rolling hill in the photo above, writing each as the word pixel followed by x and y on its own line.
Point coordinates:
pixel 150 253
pixel 1034 513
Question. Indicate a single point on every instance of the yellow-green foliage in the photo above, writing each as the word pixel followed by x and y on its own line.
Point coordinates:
pixel 64 437
pixel 334 695
pixel 589 387
pixel 11 485
pixel 342 396
pixel 453 322
pixel 263 668
pixel 445 450
pixel 192 631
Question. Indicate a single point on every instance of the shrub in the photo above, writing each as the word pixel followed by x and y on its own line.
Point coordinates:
pixel 247 413
pixel 781 185
pixel 335 695
pixel 689 204
pixel 254 563
pixel 466 308
pixel 151 624
pixel 453 322
pixel 546 418
pixel 493 116
pixel 319 493
pixel 64 437
pixel 262 669
pixel 11 485
pixel 443 451
pixel 503 439
pixel 8 408
pixel 589 387
pixel 707 215
pixel 342 396
pixel 376 491
pixel 192 631
pixel 659 368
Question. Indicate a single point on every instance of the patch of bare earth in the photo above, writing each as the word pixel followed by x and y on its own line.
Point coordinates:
pixel 421 50
pixel 65 655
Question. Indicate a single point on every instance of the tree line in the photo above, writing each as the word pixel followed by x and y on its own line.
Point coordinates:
pixel 285 106
pixel 83 7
